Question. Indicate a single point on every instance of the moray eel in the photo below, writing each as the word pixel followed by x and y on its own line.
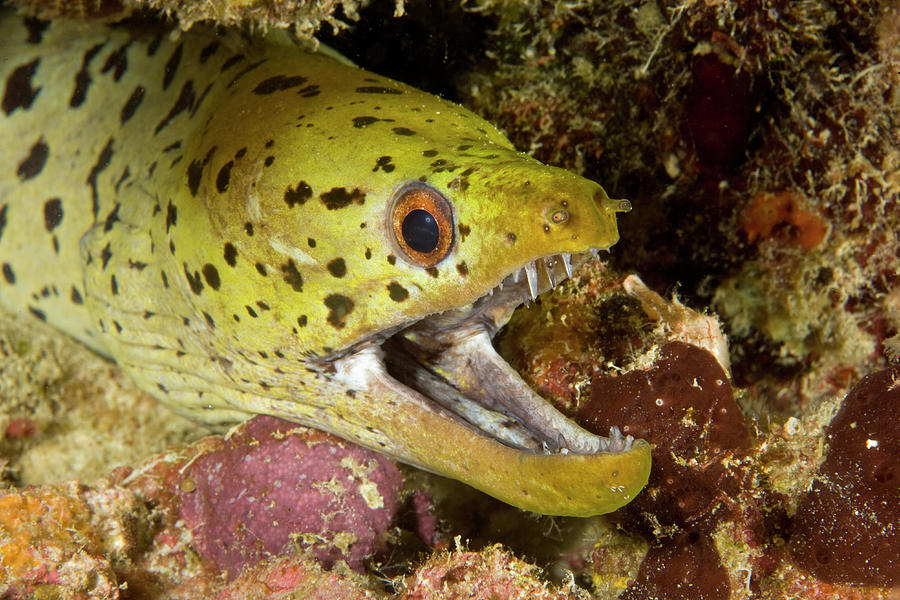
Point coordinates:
pixel 249 227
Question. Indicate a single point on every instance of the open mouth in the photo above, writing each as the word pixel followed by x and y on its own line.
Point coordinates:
pixel 447 361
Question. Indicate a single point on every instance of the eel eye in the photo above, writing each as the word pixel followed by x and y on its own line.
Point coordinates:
pixel 423 225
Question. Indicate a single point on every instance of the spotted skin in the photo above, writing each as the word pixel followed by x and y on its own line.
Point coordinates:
pixel 212 213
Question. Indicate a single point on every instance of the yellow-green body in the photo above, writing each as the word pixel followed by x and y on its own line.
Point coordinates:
pixel 211 213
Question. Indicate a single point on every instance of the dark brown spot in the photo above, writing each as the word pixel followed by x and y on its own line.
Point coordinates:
pixel 383 163
pixel 511 237
pixel 278 83
pixel 38 313
pixel 102 162
pixel 464 230
pixel 338 197
pixel 403 131
pixel 248 228
pixel 232 61
pixel 230 254
pixel 209 320
pixel 184 102
pixel 240 153
pixel 311 242
pixel 368 253
pixel 297 194
pixel 224 177
pixel 76 296
pixel 391 259
pixel 36 29
pixel 261 269
pixel 211 275
pixel 244 71
pixel 292 276
pixel 83 77
pixel 462 268
pixel 360 122
pixel 250 311
pixel 8 274
pixel 397 292
pixel 269 160
pixel 3 219
pixel 433 271
pixel 200 100
pixel 154 44
pixel 18 92
pixel 193 280
pixel 337 267
pixel 195 171
pixel 338 308
pixel 35 161
pixel 132 104
pixel 208 50
pixel 122 178
pixel 171 216
pixel 375 89
pixel 302 320
pixel 172 66
pixel 117 61
pixel 309 91
pixel 112 218
pixel 430 153
pixel 105 255
pixel 53 213
pixel 113 285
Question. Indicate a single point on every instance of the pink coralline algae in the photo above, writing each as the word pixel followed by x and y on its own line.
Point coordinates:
pixel 269 489
pixel 847 527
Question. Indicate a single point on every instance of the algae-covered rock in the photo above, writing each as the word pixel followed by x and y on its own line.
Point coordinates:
pixel 305 17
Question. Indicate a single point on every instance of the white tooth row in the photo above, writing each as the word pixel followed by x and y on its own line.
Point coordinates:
pixel 616 442
pixel 549 265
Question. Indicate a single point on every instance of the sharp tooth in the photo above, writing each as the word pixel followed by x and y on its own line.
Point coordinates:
pixel 595 252
pixel 517 276
pixel 549 265
pixel 616 441
pixel 531 272
pixel 567 263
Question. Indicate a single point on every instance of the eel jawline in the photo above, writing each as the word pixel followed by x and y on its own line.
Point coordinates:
pixel 448 403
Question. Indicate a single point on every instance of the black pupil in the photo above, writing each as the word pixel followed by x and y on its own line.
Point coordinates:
pixel 420 231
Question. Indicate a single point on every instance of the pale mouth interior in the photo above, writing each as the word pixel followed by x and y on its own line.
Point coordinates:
pixel 447 361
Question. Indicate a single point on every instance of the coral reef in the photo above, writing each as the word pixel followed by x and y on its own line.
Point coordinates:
pixel 757 143
pixel 184 521
pixel 66 413
pixel 304 17
pixel 492 573
pixel 268 490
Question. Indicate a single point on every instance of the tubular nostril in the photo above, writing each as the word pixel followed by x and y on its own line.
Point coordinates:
pixel 555 214
pixel 559 216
